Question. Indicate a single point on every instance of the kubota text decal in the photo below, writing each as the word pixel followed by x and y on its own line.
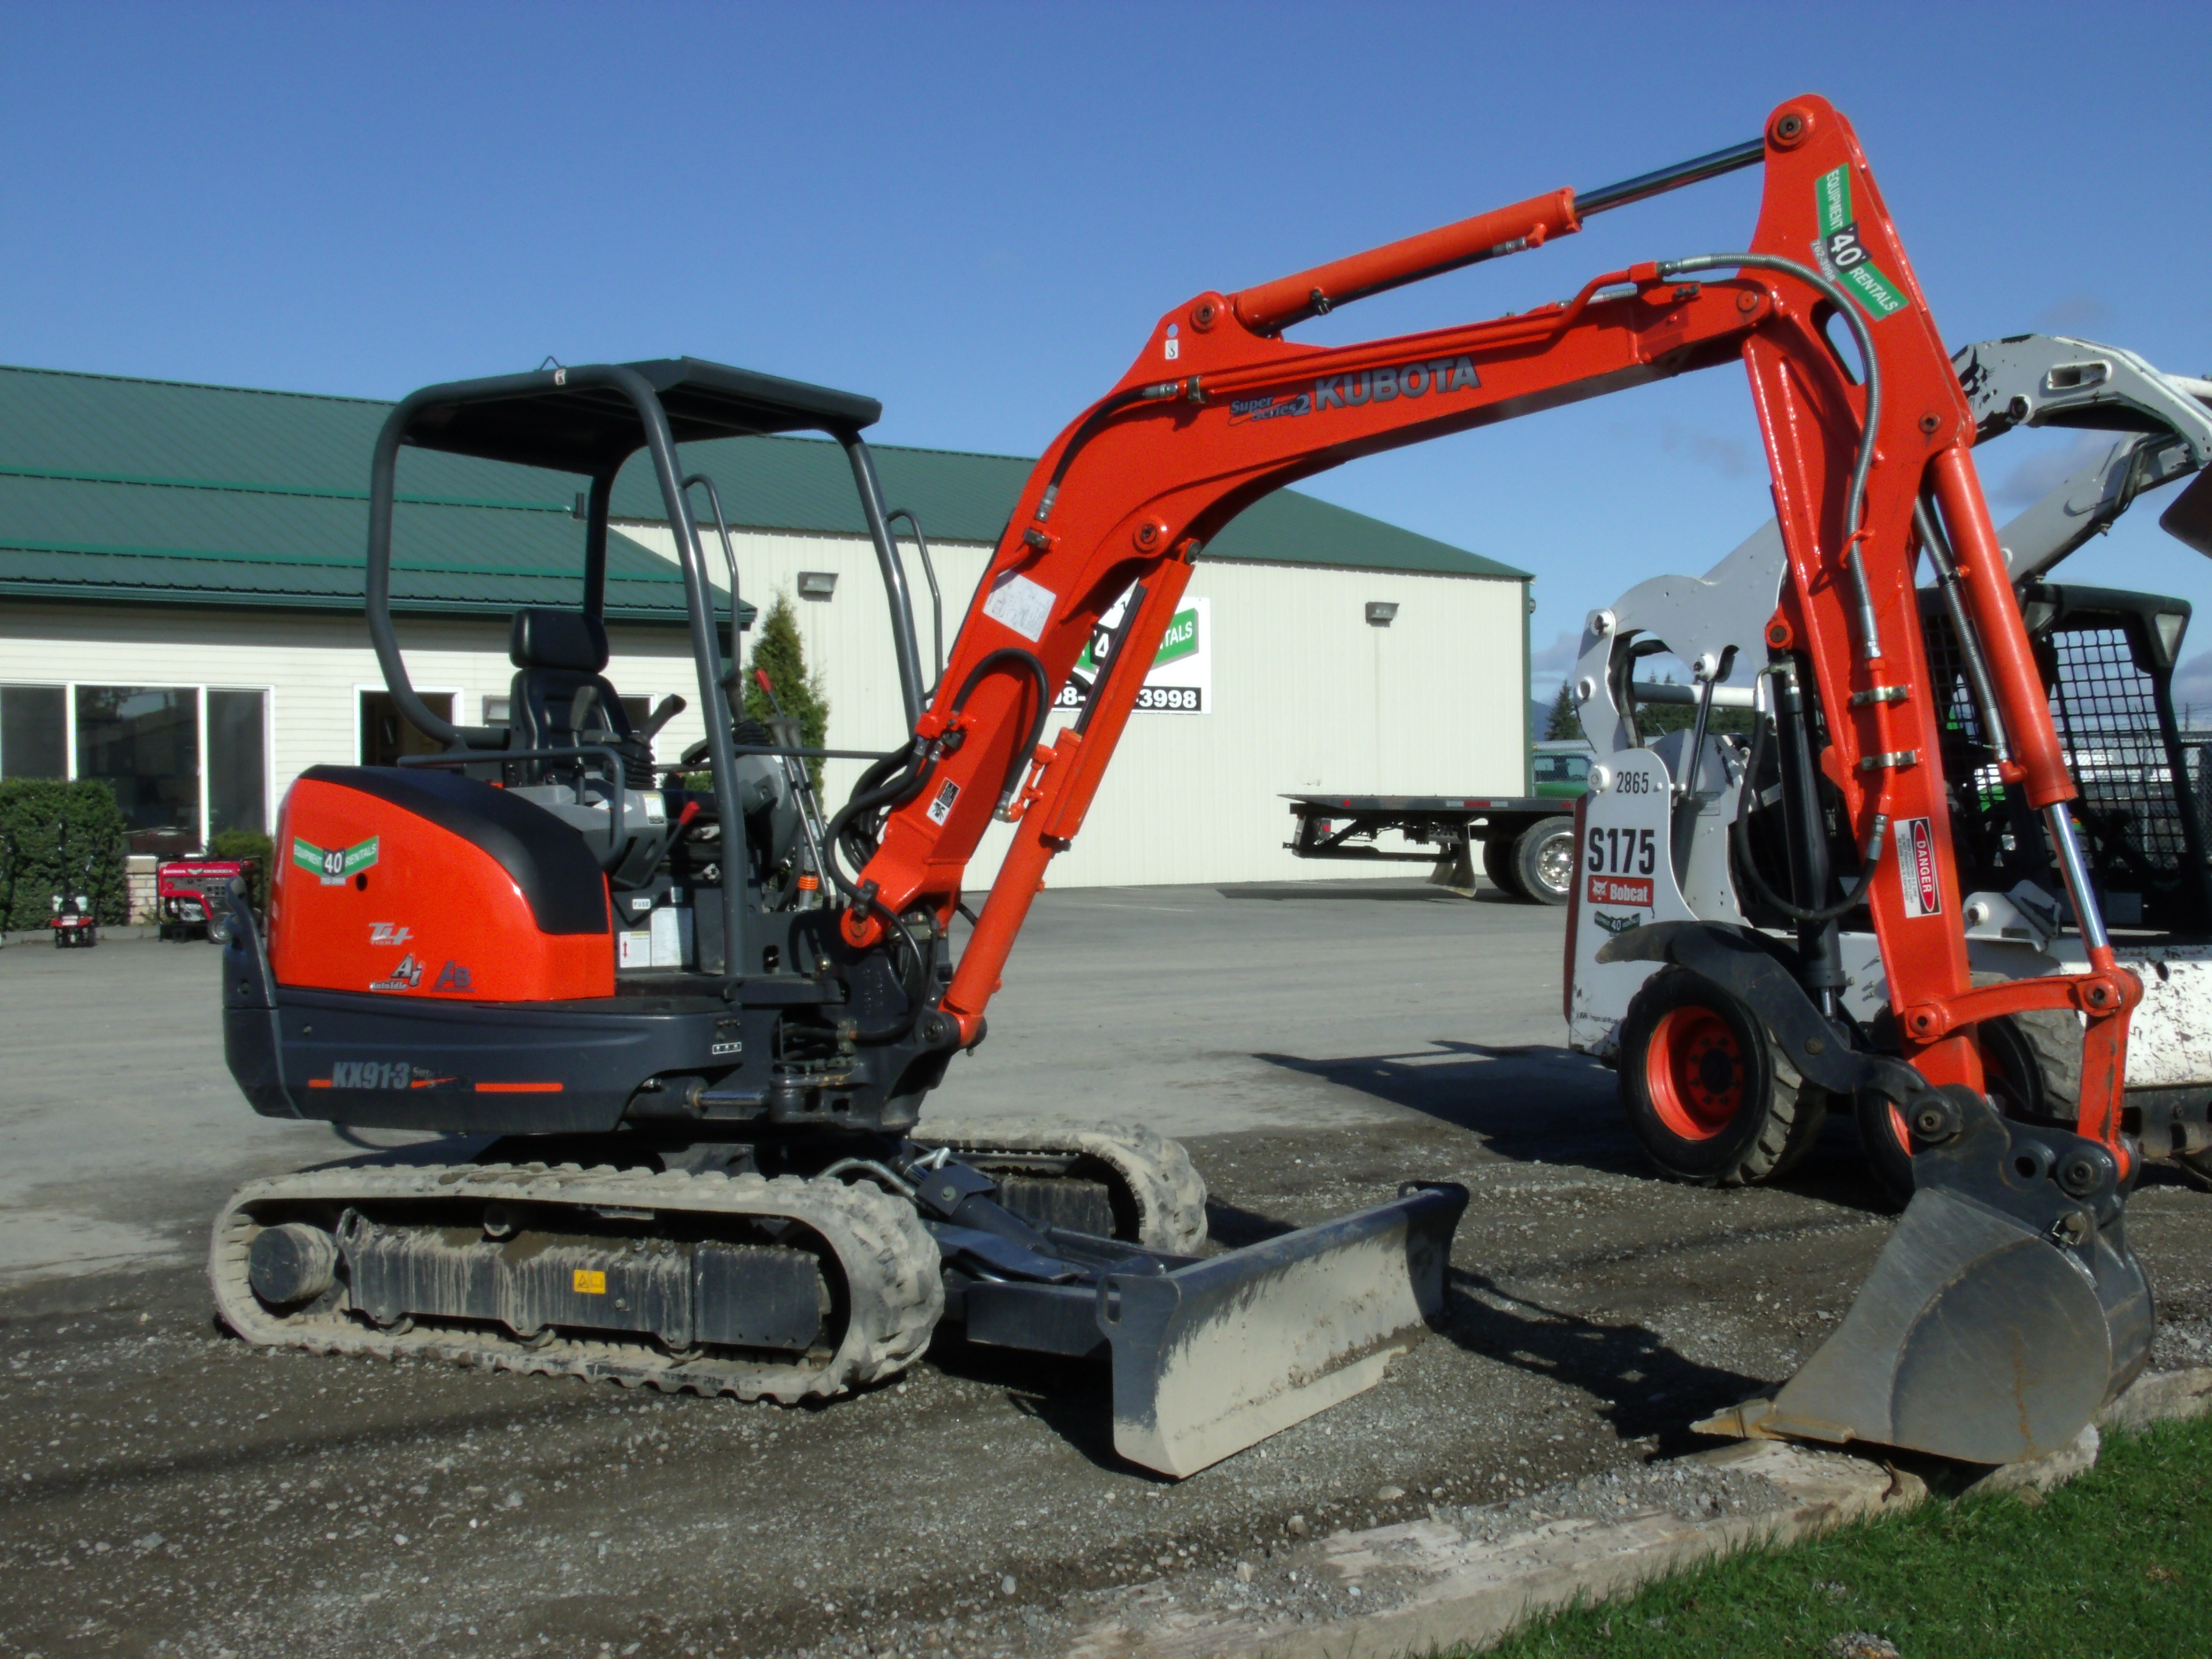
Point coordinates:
pixel 1376 385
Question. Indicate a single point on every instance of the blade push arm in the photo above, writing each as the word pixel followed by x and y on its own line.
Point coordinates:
pixel 1219 409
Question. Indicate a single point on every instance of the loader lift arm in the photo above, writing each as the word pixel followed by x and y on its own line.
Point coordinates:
pixel 1220 408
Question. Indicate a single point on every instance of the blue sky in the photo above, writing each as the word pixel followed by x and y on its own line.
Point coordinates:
pixel 975 213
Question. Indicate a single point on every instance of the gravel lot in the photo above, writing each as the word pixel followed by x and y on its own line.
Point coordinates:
pixel 170 1491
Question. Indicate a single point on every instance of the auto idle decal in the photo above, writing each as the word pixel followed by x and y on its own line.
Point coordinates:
pixel 1379 385
pixel 1843 259
pixel 405 977
pixel 332 865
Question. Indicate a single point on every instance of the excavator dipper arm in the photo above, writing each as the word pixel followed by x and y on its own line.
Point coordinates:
pixel 1869 443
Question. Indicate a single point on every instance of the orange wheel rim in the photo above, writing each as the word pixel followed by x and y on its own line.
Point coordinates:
pixel 1694 1071
pixel 1896 1128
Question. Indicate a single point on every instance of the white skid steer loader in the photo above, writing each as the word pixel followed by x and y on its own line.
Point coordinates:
pixel 1687 824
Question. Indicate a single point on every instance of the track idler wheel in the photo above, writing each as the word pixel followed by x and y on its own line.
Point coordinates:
pixel 2005 1309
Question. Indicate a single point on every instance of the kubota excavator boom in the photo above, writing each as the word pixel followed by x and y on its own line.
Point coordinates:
pixel 2007 1248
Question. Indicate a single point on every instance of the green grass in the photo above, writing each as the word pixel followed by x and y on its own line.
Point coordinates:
pixel 2117 1561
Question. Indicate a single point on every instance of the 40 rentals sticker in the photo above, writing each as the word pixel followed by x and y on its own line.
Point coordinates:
pixel 1181 679
pixel 1843 257
pixel 334 864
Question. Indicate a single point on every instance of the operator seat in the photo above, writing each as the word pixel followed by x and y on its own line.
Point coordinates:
pixel 559 698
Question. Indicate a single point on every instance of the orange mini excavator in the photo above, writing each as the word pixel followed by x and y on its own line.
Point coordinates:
pixel 711 1171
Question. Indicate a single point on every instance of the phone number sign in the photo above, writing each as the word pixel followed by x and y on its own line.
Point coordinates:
pixel 1181 678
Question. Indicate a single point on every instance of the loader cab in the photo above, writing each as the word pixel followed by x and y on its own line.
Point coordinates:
pixel 2106 658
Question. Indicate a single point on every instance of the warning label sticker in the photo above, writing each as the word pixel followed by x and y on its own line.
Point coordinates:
pixel 1021 605
pixel 1916 868
pixel 940 806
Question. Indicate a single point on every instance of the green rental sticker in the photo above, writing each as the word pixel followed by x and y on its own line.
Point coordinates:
pixel 332 865
pixel 1843 256
pixel 1181 639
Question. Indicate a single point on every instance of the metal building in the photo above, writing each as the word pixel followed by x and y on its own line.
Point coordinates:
pixel 180 613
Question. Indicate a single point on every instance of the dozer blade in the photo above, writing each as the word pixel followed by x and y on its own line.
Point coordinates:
pixel 2004 1310
pixel 1215 1357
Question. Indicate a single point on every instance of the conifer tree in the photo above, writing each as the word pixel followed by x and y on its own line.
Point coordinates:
pixel 1565 720
pixel 779 652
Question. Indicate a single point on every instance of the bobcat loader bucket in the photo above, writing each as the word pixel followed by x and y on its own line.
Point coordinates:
pixel 2004 1310
pixel 1213 1356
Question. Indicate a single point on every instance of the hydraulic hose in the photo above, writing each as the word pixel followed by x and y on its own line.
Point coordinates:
pixel 1028 659
pixel 1855 499
pixel 1091 424
pixel 878 789
pixel 893 781
pixel 1740 845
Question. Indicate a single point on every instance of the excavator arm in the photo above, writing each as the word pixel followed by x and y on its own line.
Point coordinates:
pixel 2012 1245
pixel 1220 408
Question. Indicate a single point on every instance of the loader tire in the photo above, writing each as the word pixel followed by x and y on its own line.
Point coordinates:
pixel 1544 859
pixel 1708 1092
pixel 2032 1067
pixel 1498 865
pixel 1159 1197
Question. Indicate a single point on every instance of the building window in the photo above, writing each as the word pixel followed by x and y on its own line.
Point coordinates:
pixel 184 761
pixel 495 710
pixel 237 764
pixel 33 732
pixel 144 742
pixel 387 734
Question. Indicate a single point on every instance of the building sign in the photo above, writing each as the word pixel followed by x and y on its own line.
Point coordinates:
pixel 1181 679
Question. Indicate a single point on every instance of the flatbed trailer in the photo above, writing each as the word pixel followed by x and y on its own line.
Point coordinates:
pixel 1528 842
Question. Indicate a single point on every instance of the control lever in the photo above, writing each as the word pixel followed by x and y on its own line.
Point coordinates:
pixel 669 708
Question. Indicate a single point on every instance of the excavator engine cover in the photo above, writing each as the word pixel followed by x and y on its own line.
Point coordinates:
pixel 2005 1309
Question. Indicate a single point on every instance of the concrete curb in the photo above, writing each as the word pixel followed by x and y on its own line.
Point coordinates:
pixel 1445 1590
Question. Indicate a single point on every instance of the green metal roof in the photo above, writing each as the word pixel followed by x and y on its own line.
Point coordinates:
pixel 804 484
pixel 154 491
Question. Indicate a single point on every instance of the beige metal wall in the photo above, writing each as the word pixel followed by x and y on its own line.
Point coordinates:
pixel 1306 695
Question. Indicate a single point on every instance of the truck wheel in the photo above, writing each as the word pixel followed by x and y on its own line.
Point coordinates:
pixel 1544 859
pixel 1708 1094
pixel 1498 865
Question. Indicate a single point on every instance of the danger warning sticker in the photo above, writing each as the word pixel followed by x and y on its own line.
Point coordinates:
pixel 1915 868
pixel 940 808
pixel 1620 889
